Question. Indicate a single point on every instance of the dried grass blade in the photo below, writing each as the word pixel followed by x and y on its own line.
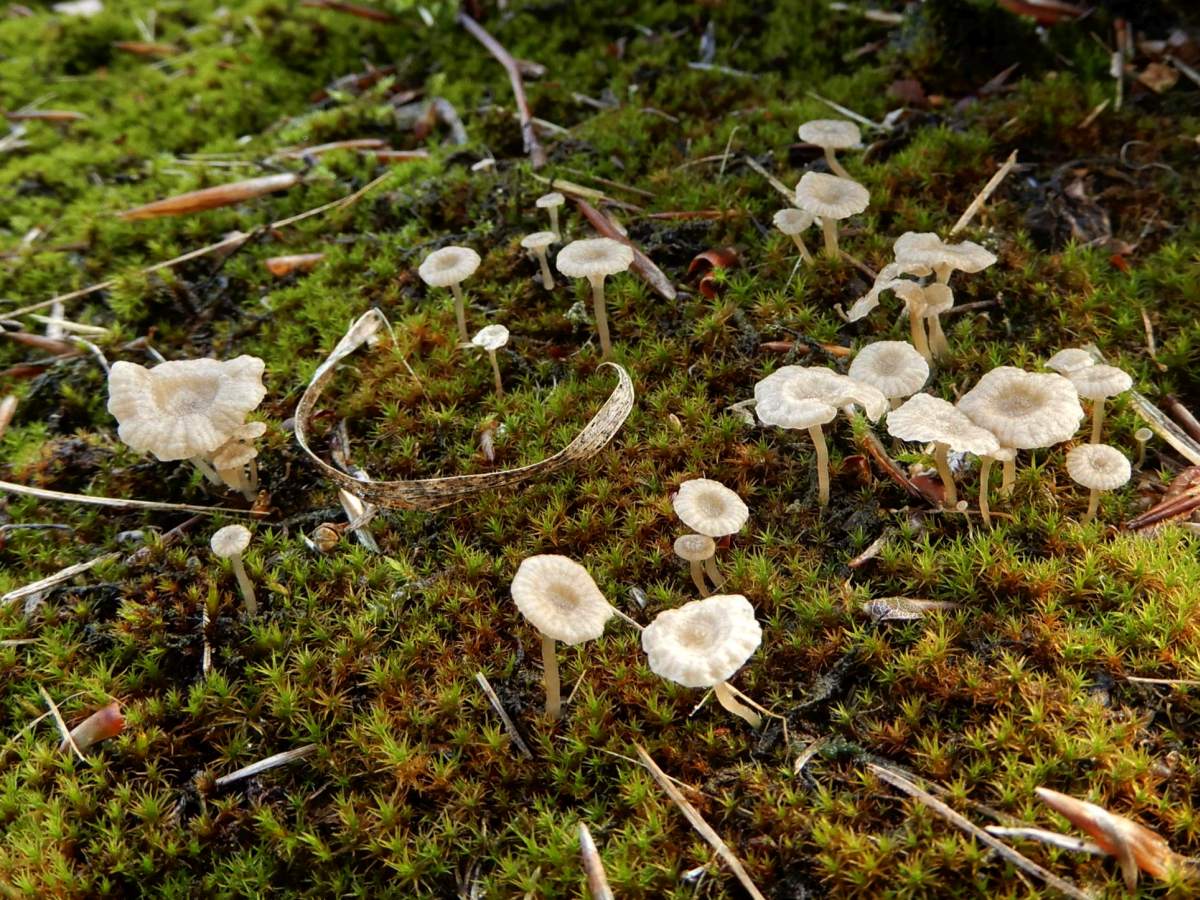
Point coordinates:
pixel 213 197
pixel 436 493
pixel 352 9
pixel 45 115
pixel 509 725
pixel 903 609
pixel 263 765
pixel 117 503
pixel 982 197
pixel 68 740
pixel 59 577
pixel 593 866
pixel 1052 838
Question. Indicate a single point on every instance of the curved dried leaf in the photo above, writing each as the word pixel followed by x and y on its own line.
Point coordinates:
pixel 436 493
pixel 279 266
pixel 99 726
pixel 213 197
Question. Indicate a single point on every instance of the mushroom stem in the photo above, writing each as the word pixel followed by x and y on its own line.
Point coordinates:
pixel 985 471
pixel 916 324
pixel 547 278
pixel 1093 507
pixel 834 165
pixel 205 468
pixel 829 229
pixel 496 372
pixel 818 439
pixel 938 345
pixel 460 312
pixel 941 458
pixel 1010 477
pixel 698 577
pixel 714 574
pixel 601 315
pixel 550 676
pixel 243 580
pixel 553 210
pixel 1097 419
pixel 803 248
pixel 252 483
pixel 725 697
pixel 236 479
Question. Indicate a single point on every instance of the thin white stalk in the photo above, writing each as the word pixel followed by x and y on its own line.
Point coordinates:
pixel 725 697
pixel 697 569
pixel 818 439
pixel 205 468
pixel 1093 506
pixel 1010 477
pixel 941 454
pixel 985 470
pixel 803 248
pixel 547 278
pixel 601 314
pixel 550 676
pixel 834 165
pixel 1097 419
pixel 460 312
pixel 496 372
pixel 829 229
pixel 247 588
pixel 714 574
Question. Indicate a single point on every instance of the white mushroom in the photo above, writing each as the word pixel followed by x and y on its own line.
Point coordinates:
pixel 551 202
pixel 710 508
pixel 938 299
pixel 703 643
pixel 1064 362
pixel 894 367
pixel 491 338
pixel 1097 383
pixel 831 135
pixel 539 242
pixel 830 198
pixel 230 543
pixel 233 457
pixel 925 249
pixel 559 598
pixel 698 551
pixel 793 222
pixel 932 420
pixel 595 259
pixel 450 267
pixel 1098 467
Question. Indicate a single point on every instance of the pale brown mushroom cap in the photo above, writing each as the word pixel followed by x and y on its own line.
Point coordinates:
pixel 560 599
pixel 910 292
pixel 539 240
pixel 926 418
pixel 834 134
pixel 695 547
pixel 1024 410
pixel 792 221
pixel 801 397
pixel 449 265
pixel 183 408
pixel 927 249
pixel 831 197
pixel 594 258
pixel 938 299
pixel 710 508
pixel 1067 361
pixel 1098 467
pixel 232 540
pixel 704 642
pixel 1099 382
pixel 895 368
pixel 552 199
pixel 491 337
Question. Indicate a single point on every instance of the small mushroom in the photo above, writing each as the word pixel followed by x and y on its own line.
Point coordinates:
pixel 559 598
pixel 551 202
pixel 916 303
pixel 697 550
pixel 1142 436
pixel 235 461
pixel 538 242
pixel 1097 383
pixel 938 299
pixel 713 510
pixel 1064 362
pixel 925 249
pixel 793 222
pixel 830 198
pixel 831 135
pixel 595 259
pixel 230 543
pixel 491 338
pixel 1098 467
pixel 703 643
pixel 932 420
pixel 894 367
pixel 450 267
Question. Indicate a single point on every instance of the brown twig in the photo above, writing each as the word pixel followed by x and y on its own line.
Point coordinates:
pixel 642 264
pixel 875 450
pixel 1183 416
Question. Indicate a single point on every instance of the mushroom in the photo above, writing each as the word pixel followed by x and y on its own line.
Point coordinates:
pixel 559 598
pixel 1003 455
pixel 1142 436
pixel 594 259
pixel 938 299
pixel 894 367
pixel 1098 467
pixel 797 397
pixel 1097 383
pixel 538 242
pixel 1064 362
pixel 551 202
pixel 916 304
pixel 703 643
pixel 1024 410
pixel 230 543
pixel 232 458
pixel 491 338
pixel 925 249
pixel 185 409
pixel 713 510
pixel 831 135
pixel 831 198
pixel 450 267
pixel 698 550
pixel 793 222
pixel 930 419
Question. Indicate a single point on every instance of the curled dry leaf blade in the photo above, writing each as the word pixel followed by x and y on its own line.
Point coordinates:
pixel 104 723
pixel 213 197
pixel 279 266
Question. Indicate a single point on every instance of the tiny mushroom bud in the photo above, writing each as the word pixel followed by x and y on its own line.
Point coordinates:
pixel 1097 383
pixel 450 267
pixel 703 643
pixel 1064 362
pixel 559 598
pixel 492 338
pixel 894 367
pixel 930 419
pixel 233 457
pixel 1098 467
pixel 595 259
pixel 551 202
pixel 830 198
pixel 710 508
pixel 793 222
pixel 230 543
pixel 1142 436
pixel 831 135
pixel 697 549
pixel 538 242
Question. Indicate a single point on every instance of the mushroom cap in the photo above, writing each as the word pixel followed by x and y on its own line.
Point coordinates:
pixel 836 134
pixel 491 337
pixel 448 266
pixel 1003 454
pixel 695 547
pixel 927 418
pixel 831 197
pixel 704 642
pixel 792 221
pixel 594 258
pixel 239 449
pixel 801 397
pixel 1067 361
pixel 938 298
pixel 554 198
pixel 888 279
pixel 1098 466
pixel 539 240
pixel 232 540
pixel 1099 382
pixel 895 368
pixel 560 599
pixel 710 508
pixel 927 249
pixel 183 408
pixel 1024 410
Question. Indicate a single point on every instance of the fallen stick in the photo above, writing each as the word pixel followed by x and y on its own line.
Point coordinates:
pixel 642 264
pixel 1183 416
pixel 509 725
pixel 982 197
pixel 263 765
